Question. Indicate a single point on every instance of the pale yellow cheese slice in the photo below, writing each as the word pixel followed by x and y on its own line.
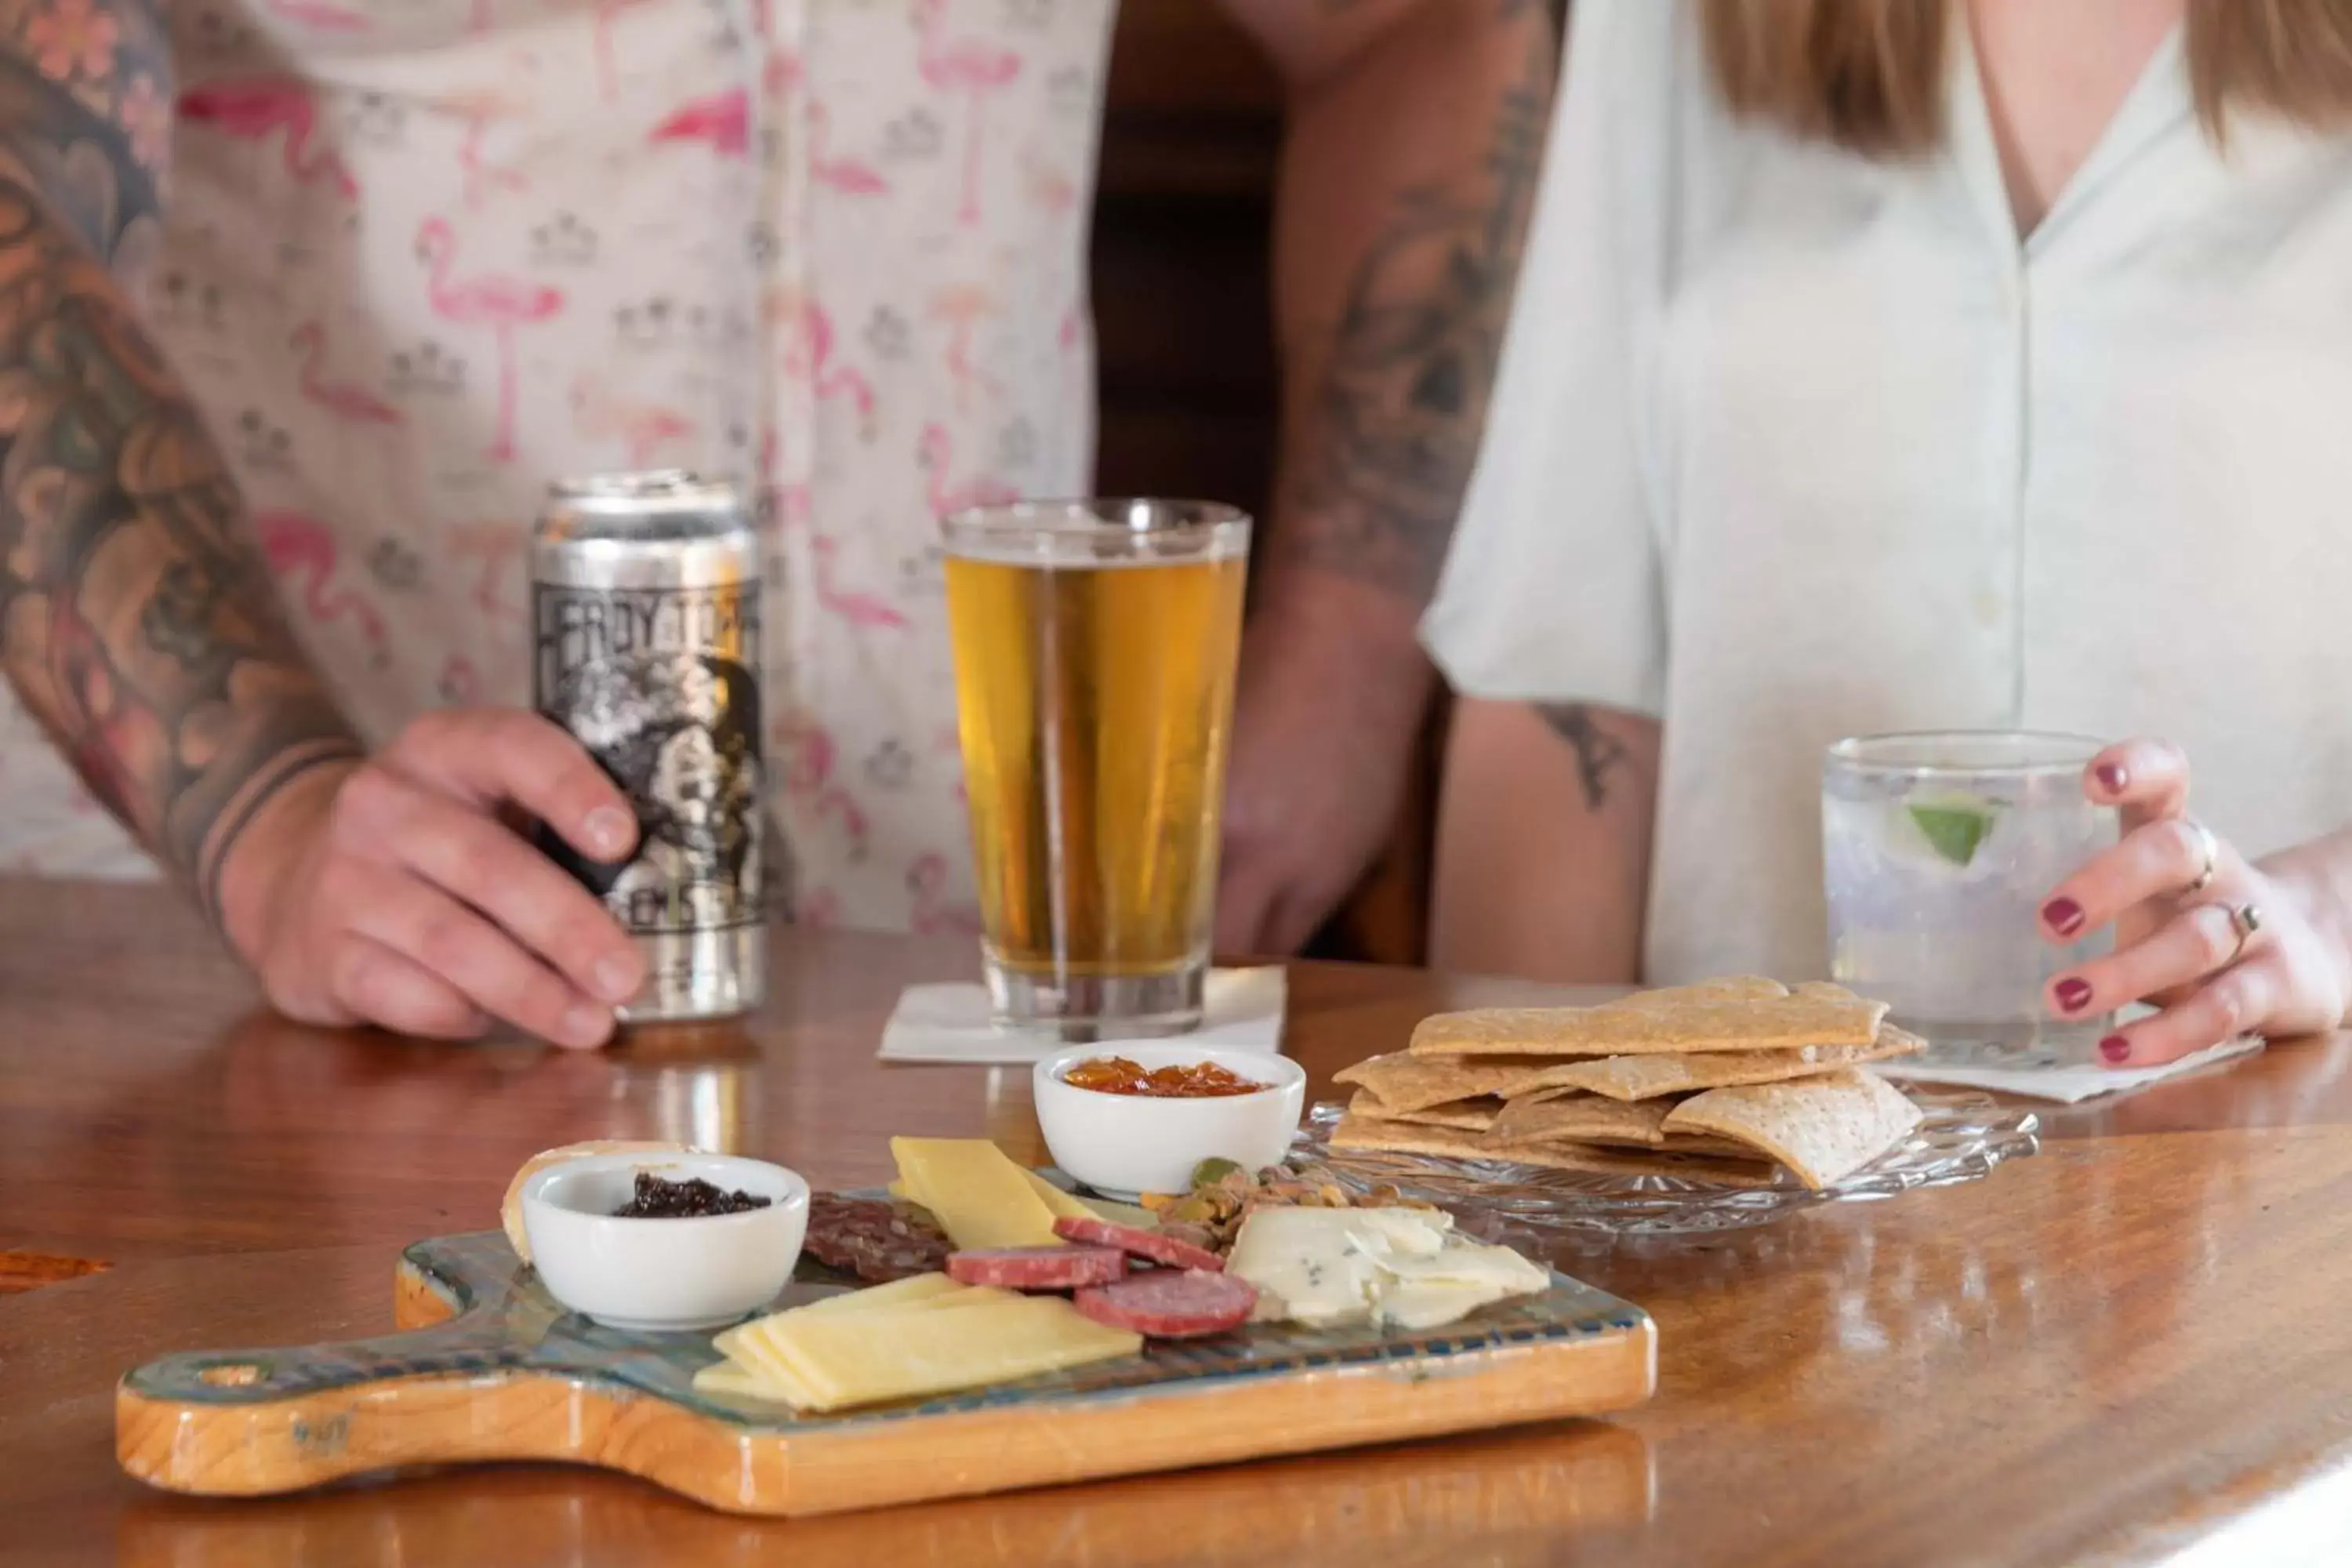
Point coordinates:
pixel 728 1377
pixel 979 1197
pixel 1066 1206
pixel 842 1361
pixel 905 1293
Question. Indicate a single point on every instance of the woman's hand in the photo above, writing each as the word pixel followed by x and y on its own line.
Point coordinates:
pixel 2222 945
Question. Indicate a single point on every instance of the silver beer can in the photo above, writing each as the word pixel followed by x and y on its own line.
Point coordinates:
pixel 646 618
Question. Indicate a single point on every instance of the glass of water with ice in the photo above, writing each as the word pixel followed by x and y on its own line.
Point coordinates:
pixel 1937 850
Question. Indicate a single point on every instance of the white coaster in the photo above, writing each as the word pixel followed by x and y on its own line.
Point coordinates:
pixel 1242 1009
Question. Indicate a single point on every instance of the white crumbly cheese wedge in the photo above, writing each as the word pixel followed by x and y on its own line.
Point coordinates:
pixel 1447 1286
pixel 1465 1262
pixel 1433 1305
pixel 1310 1260
pixel 1396 1266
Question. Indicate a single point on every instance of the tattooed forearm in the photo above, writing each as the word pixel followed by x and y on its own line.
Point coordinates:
pixel 1390 431
pixel 137 621
pixel 1600 755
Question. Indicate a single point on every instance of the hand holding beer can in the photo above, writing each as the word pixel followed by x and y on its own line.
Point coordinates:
pixel 645 603
pixel 1096 646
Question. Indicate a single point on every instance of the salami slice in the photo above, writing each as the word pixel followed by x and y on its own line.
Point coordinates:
pixel 1037 1267
pixel 878 1240
pixel 1167 1250
pixel 1166 1305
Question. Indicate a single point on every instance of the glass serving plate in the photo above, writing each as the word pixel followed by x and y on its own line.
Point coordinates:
pixel 1961 1139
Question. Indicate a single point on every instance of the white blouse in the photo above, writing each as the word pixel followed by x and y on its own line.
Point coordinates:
pixel 1791 444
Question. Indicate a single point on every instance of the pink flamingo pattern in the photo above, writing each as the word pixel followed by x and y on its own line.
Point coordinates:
pixel 302 549
pixel 497 547
pixel 500 303
pixel 320 14
pixel 858 609
pixel 581 186
pixel 723 119
pixel 808 354
pixel 937 453
pixel 847 176
pixel 973 67
pixel 933 914
pixel 480 108
pixel 809 755
pixel 257 107
pixel 645 429
pixel 345 400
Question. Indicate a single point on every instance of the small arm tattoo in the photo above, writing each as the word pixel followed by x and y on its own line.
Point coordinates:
pixel 1402 397
pixel 138 621
pixel 1599 754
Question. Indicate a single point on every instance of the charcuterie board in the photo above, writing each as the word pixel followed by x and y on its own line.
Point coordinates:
pixel 487 1367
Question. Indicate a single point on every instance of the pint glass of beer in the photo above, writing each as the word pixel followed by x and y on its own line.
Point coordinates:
pixel 1095 652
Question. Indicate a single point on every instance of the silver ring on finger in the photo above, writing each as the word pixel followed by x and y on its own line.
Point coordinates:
pixel 2245 920
pixel 2211 861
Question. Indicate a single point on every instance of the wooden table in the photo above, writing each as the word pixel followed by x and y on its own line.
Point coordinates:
pixel 2137 1344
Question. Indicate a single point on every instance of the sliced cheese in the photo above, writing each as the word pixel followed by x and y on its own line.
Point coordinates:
pixel 1066 1206
pixel 731 1378
pixel 847 1360
pixel 766 1351
pixel 1123 1214
pixel 979 1197
pixel 904 1292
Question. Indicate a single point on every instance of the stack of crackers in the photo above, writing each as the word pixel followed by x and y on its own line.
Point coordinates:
pixel 1722 1081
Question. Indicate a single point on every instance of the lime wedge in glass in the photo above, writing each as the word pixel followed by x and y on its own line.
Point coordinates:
pixel 1955 827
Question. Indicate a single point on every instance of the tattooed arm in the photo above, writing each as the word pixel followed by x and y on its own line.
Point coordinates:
pixel 1543 842
pixel 1415 132
pixel 139 624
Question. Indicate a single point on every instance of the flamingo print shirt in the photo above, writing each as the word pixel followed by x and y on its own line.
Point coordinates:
pixel 425 256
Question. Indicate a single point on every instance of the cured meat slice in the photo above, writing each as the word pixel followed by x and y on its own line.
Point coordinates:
pixel 1037 1267
pixel 1159 1248
pixel 878 1240
pixel 1167 1305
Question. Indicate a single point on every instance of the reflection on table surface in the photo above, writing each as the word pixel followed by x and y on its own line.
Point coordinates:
pixel 1505 1498
pixel 2124 1340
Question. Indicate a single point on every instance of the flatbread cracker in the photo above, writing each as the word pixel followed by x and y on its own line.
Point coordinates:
pixel 1357 1131
pixel 1728 1015
pixel 1823 1129
pixel 1374 1135
pixel 1579 1117
pixel 1463 1115
pixel 1405 1082
pixel 1648 1077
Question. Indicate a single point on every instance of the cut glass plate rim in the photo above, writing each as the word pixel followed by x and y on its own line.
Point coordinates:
pixel 1961 1137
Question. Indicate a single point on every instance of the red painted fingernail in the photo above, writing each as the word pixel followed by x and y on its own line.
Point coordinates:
pixel 2115 1047
pixel 2064 915
pixel 2112 777
pixel 2073 994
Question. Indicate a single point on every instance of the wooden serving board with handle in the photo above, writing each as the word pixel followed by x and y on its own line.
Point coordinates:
pixel 487 1366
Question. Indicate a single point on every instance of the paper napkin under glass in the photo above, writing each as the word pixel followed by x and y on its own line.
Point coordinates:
pixel 2070 1084
pixel 1242 1010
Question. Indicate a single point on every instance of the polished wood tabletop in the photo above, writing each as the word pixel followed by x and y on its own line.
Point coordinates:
pixel 2136 1345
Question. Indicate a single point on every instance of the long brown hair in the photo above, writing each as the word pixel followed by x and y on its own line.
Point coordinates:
pixel 1869 74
